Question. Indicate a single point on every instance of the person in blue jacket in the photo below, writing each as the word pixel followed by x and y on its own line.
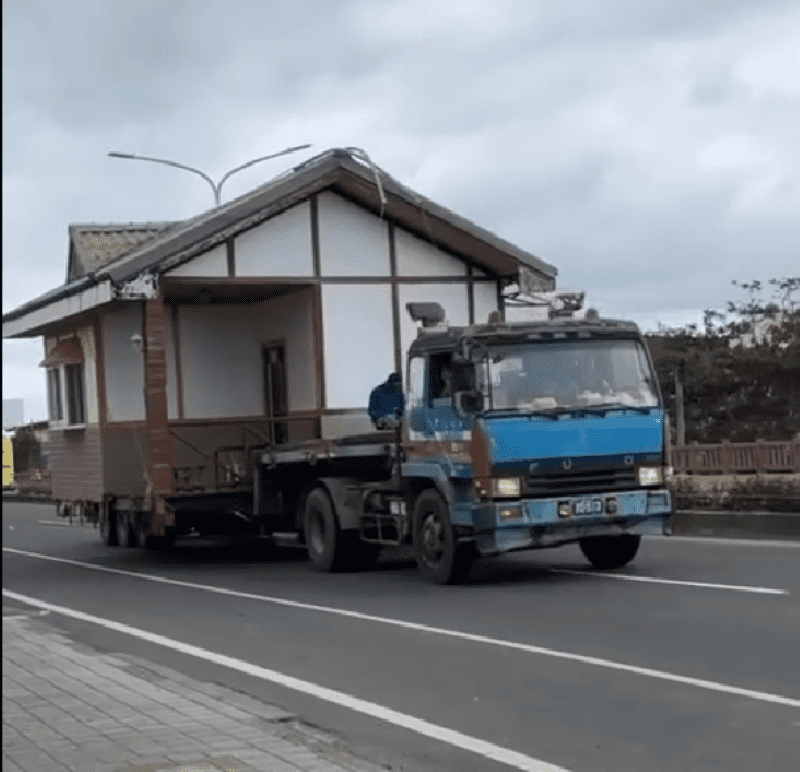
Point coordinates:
pixel 387 401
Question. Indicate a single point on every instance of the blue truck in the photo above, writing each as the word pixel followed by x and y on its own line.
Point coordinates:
pixel 504 437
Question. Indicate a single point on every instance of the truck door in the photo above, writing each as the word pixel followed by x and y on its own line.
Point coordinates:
pixel 274 356
pixel 433 411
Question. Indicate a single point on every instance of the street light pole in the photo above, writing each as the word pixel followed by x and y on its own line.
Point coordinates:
pixel 216 187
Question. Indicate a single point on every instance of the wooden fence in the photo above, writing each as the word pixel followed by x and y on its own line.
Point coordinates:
pixel 757 457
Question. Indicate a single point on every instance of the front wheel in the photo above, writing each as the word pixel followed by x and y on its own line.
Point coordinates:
pixel 440 559
pixel 606 552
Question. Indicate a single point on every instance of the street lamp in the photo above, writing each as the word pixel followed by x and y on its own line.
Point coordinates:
pixel 216 187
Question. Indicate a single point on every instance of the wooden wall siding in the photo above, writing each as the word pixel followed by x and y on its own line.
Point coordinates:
pixel 279 247
pixel 76 464
pixel 211 263
pixel 159 441
pixel 125 460
pixel 353 242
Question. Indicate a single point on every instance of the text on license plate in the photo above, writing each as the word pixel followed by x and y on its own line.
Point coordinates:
pixel 588 507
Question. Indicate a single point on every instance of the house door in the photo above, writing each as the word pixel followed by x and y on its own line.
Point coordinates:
pixel 275 389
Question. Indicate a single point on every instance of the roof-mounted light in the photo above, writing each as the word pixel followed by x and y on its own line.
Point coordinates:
pixel 430 314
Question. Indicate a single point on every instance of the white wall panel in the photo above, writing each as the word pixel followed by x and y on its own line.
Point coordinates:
pixel 416 257
pixel 221 355
pixel 359 342
pixel 211 263
pixel 86 336
pixel 452 297
pixel 353 242
pixel 281 246
pixel 485 296
pixel 124 365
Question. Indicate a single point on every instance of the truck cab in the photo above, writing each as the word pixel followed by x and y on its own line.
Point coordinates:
pixel 533 435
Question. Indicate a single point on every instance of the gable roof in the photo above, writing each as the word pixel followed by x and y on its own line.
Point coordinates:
pixel 111 254
pixel 94 245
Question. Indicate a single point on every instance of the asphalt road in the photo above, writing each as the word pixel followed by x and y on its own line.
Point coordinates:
pixel 699 670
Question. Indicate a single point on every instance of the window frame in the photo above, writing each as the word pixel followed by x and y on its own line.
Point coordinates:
pixel 69 404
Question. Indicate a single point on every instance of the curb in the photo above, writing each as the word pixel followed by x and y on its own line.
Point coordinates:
pixel 758 525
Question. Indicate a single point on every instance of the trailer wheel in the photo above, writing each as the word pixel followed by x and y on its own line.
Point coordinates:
pixel 125 535
pixel 439 558
pixel 323 539
pixel 107 527
pixel 605 552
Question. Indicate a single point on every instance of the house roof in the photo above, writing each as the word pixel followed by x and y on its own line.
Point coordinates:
pixel 94 245
pixel 121 252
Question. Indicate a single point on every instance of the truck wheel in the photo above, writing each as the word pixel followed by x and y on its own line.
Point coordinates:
pixel 324 543
pixel 107 528
pixel 439 558
pixel 606 552
pixel 125 536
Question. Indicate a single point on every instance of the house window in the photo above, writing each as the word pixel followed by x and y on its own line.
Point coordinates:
pixel 54 403
pixel 66 392
pixel 76 413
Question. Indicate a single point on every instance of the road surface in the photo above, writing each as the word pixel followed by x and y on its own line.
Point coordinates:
pixel 689 659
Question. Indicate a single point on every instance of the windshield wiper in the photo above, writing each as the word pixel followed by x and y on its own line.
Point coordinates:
pixel 603 409
pixel 551 413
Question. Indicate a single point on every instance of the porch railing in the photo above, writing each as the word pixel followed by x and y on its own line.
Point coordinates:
pixel 230 467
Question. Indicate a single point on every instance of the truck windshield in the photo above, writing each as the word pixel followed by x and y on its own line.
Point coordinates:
pixel 569 374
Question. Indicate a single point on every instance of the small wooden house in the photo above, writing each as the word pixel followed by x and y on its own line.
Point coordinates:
pixel 267 319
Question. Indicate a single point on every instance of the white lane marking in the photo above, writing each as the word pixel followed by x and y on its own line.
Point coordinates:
pixel 728 542
pixel 56 522
pixel 418 725
pixel 657 580
pixel 531 649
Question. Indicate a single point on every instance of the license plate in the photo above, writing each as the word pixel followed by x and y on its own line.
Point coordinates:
pixel 588 507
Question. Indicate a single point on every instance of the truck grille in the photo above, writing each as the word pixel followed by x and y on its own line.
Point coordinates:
pixel 581 482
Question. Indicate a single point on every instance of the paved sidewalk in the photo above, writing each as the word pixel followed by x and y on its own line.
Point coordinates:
pixel 69 708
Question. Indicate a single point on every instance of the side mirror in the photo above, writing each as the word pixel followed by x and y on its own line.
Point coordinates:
pixel 469 401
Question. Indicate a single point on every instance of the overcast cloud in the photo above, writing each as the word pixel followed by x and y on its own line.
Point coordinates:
pixel 648 149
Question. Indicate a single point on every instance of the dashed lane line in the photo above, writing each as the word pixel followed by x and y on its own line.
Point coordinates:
pixel 663 675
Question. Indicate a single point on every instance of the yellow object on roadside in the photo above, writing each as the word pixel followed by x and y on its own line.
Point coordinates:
pixel 8 463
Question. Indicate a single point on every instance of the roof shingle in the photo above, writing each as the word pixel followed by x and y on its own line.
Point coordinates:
pixel 94 245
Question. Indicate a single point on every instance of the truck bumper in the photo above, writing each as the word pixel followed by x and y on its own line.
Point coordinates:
pixel 535 523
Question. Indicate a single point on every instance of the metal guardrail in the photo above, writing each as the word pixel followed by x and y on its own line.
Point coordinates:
pixel 757 457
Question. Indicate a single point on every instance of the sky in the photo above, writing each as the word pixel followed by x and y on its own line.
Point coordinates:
pixel 647 149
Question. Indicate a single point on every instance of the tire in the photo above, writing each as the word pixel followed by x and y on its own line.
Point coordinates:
pixel 125 535
pixel 606 552
pixel 329 549
pixel 107 528
pixel 439 558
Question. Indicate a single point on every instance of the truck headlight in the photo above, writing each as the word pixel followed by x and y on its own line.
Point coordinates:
pixel 508 487
pixel 651 475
